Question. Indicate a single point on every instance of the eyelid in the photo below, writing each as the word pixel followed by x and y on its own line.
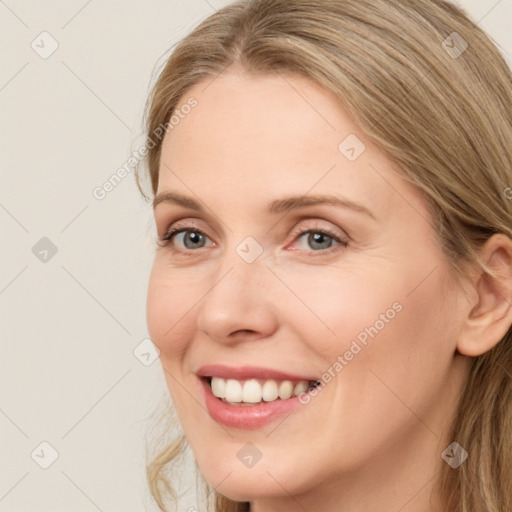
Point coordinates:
pixel 342 239
pixel 180 227
pixel 186 224
pixel 301 229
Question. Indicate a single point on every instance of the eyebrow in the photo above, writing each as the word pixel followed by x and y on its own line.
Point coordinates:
pixel 275 207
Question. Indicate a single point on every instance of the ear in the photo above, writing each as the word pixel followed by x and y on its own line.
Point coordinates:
pixel 490 315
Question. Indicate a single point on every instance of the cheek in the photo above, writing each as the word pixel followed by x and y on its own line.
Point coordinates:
pixel 405 362
pixel 382 325
pixel 168 310
pixel 338 305
pixel 169 313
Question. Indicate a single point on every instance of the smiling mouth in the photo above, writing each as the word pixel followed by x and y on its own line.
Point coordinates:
pixel 252 392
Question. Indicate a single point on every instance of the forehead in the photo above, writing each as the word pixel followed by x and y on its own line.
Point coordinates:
pixel 279 110
pixel 253 136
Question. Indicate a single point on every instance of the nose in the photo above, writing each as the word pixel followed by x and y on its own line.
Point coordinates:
pixel 238 306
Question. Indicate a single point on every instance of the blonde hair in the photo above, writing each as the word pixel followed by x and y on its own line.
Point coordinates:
pixel 443 115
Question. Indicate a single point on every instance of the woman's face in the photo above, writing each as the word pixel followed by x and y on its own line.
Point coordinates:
pixel 356 295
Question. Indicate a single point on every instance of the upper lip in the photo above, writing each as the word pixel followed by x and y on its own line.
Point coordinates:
pixel 248 372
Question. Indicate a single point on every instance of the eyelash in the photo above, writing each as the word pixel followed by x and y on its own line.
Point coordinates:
pixel 166 241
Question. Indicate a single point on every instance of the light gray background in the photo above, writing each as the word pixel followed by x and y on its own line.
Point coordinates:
pixel 70 325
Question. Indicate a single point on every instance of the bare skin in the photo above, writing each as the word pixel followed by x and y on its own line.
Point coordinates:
pixel 372 438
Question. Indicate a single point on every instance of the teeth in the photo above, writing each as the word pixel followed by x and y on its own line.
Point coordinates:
pixel 269 391
pixel 219 387
pixel 234 391
pixel 253 391
pixel 285 389
pixel 300 387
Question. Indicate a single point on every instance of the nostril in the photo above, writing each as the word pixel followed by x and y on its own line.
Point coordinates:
pixel 243 332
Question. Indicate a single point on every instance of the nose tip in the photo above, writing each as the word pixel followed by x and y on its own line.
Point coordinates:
pixel 238 306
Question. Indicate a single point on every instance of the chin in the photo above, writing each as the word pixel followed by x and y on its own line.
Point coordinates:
pixel 266 479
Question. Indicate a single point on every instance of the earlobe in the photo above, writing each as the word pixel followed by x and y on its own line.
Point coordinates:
pixel 489 317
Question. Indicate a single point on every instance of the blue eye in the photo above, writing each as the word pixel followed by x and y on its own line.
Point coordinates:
pixel 191 238
pixel 320 241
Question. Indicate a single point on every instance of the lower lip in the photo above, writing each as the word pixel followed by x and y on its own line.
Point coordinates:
pixel 246 417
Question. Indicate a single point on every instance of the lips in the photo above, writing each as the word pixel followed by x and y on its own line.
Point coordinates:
pixel 249 372
pixel 249 417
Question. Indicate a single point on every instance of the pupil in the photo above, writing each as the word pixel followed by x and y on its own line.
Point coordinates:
pixel 318 238
pixel 193 237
